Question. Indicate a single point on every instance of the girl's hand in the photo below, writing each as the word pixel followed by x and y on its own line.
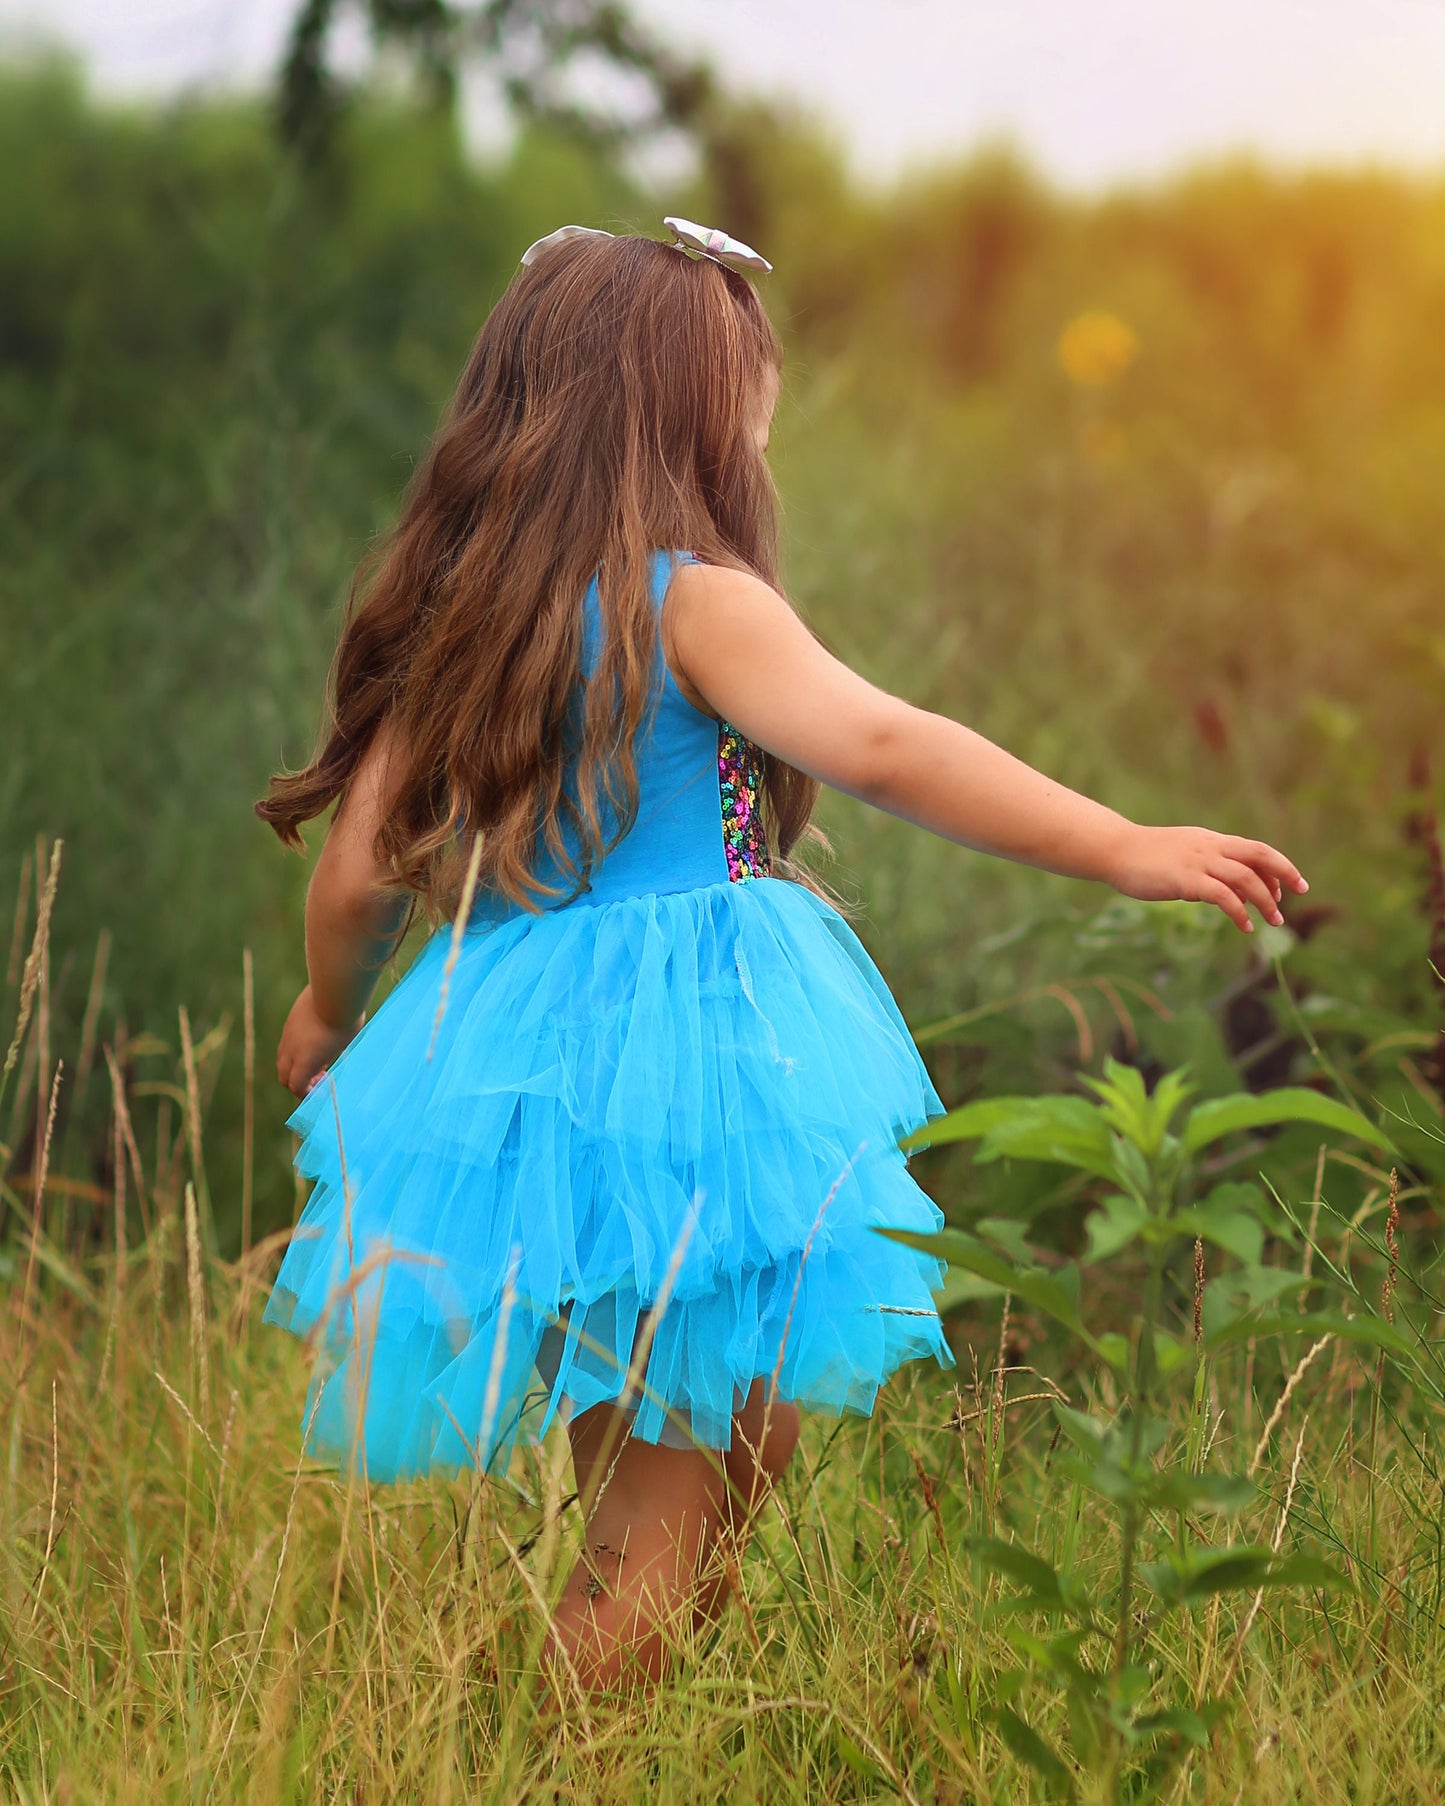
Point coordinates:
pixel 1199 866
pixel 309 1044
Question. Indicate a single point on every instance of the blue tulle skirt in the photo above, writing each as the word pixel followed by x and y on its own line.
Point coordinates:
pixel 688 1100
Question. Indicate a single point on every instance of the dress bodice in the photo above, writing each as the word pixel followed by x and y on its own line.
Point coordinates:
pixel 699 786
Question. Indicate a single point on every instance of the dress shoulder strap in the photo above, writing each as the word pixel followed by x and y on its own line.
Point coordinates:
pixel 665 561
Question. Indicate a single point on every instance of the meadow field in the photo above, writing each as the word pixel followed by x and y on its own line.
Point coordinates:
pixel 1144 487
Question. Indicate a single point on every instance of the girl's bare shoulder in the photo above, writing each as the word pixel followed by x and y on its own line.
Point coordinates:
pixel 706 607
pixel 734 642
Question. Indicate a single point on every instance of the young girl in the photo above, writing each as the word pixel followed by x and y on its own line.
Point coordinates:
pixel 615 1147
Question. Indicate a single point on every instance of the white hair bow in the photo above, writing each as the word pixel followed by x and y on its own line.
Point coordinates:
pixel 703 241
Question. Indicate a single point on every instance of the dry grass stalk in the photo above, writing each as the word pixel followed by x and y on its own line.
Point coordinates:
pixel 1283 1404
pixel 34 963
pixel 1307 1264
pixel 42 1021
pixel 1107 987
pixel 1116 1004
pixel 260 1649
pixel 54 1499
pixel 459 929
pixel 633 1383
pixel 185 1410
pixel 930 1496
pixel 248 1127
pixel 193 1102
pixel 1000 1371
pixel 41 1173
pixel 823 1209
pixel 92 1008
pixel 1392 1243
pixel 1080 1018
pixel 217 1518
pixel 127 1132
pixel 195 1288
pixel 1275 1542
pixel 118 1291
pixel 492 1394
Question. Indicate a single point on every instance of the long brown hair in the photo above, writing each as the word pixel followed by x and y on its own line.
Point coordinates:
pixel 609 407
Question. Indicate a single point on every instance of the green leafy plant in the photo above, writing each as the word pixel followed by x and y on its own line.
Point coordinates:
pixel 1156 1482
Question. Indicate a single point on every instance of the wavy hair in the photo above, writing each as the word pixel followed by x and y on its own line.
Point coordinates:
pixel 608 408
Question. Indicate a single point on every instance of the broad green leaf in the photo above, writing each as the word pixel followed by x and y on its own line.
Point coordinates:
pixel 1370 1332
pixel 1082 1430
pixel 1179 1490
pixel 1170 1093
pixel 1029 1284
pixel 1176 1720
pixel 1231 1298
pixel 969 1121
pixel 1030 1571
pixel 1065 1131
pixel 960 1289
pixel 1236 1231
pixel 1104 1475
pixel 1244 1194
pixel 1221 1116
pixel 1006 1233
pixel 1170 1354
pixel 1154 1432
pixel 1306 1571
pixel 1131 1684
pixel 1109 1468
pixel 1115 1224
pixel 859 1763
pixel 1123 1100
pixel 1131 1166
pixel 1198 1573
pixel 1061 1131
pixel 958 1700
pixel 1031 1749
pixel 1055 1655
pixel 1142 1117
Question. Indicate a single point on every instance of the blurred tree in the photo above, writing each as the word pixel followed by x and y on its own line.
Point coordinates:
pixel 530 46
pixel 533 48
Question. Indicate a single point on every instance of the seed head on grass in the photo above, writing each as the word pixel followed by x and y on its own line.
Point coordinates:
pixel 1392 1243
pixel 35 960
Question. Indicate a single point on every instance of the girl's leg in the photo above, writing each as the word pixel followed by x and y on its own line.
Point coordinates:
pixel 655 1518
pixel 764 1437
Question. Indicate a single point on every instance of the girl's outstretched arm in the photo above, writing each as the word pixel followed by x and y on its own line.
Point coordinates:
pixel 737 649
pixel 350 927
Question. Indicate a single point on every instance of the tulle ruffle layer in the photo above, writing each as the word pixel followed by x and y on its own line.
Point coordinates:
pixel 693 1098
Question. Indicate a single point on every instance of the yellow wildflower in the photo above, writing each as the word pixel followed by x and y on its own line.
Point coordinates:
pixel 1095 348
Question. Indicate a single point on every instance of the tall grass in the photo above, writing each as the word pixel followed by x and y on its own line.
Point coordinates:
pixel 191 1610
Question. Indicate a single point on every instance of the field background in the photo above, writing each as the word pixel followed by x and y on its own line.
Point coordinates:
pixel 1145 487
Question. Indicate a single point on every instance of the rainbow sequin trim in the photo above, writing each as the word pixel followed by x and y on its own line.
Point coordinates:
pixel 740 784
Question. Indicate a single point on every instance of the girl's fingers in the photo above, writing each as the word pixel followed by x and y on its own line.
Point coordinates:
pixel 1264 858
pixel 1214 890
pixel 1251 888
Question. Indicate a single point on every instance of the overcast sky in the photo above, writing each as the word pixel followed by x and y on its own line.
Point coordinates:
pixel 1119 88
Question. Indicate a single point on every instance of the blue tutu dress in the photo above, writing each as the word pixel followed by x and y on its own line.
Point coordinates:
pixel 686 1085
